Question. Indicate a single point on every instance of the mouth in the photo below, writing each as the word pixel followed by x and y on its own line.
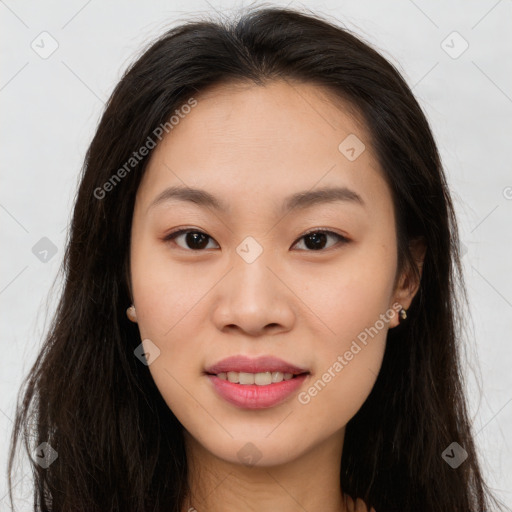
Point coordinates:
pixel 255 383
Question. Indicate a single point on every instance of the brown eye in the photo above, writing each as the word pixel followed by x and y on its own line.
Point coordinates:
pixel 316 240
pixel 193 239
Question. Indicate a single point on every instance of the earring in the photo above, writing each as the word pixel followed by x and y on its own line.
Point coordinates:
pixel 403 314
pixel 130 313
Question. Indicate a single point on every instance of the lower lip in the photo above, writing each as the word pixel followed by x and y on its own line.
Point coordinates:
pixel 252 396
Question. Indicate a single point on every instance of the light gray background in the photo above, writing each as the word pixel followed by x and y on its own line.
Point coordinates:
pixel 50 108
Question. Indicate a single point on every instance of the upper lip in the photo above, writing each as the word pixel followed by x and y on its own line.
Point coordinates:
pixel 254 365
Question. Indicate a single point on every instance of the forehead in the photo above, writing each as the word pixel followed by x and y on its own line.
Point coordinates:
pixel 268 141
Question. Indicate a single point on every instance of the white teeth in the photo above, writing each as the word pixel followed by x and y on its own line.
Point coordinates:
pixel 246 378
pixel 263 379
pixel 260 379
pixel 233 376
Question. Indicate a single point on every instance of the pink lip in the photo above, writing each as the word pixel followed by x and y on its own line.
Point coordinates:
pixel 252 396
pixel 254 365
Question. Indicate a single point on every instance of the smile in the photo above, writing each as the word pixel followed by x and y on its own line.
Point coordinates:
pixel 260 378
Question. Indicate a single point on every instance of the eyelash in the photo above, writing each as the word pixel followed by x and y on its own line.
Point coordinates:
pixel 342 239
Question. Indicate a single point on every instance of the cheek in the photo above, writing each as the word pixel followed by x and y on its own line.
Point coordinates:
pixel 352 295
pixel 347 363
pixel 162 290
pixel 171 313
pixel 353 305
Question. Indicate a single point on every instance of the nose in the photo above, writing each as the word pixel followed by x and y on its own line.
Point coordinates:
pixel 254 298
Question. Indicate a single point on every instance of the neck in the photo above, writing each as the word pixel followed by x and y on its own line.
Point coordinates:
pixel 309 482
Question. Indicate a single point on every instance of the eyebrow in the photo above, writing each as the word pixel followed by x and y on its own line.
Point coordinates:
pixel 297 201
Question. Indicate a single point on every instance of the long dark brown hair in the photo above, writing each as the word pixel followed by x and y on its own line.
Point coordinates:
pixel 120 447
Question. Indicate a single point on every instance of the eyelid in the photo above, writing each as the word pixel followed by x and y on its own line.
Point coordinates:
pixel 323 230
pixel 181 231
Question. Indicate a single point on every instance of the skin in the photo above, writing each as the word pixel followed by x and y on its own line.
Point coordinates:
pixel 252 146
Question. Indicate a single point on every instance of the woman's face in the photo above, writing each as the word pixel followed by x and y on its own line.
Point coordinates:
pixel 253 285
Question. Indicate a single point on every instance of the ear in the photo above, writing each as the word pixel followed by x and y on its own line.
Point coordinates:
pixel 132 314
pixel 408 284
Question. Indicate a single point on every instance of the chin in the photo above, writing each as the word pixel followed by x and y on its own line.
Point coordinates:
pixel 258 450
